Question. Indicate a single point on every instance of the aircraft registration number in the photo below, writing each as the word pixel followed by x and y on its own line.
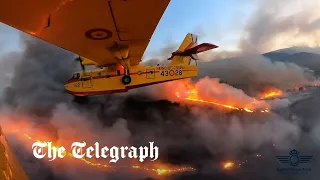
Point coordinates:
pixel 171 73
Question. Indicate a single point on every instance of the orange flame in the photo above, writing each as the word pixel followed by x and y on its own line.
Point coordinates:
pixel 192 95
pixel 270 93
pixel 228 165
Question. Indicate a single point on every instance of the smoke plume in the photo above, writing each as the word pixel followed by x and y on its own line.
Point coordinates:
pixel 253 72
pixel 281 24
pixel 187 134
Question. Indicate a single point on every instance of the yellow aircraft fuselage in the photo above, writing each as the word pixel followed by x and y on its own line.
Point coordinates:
pixel 122 77
pixel 104 81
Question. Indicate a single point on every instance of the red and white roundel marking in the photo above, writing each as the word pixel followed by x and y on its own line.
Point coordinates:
pixel 98 34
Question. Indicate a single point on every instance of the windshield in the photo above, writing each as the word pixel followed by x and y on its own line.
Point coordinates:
pixel 75 76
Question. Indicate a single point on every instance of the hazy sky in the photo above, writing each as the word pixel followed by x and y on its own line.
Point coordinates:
pixel 217 21
pixel 262 25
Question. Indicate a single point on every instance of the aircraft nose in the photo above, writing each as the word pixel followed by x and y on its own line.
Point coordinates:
pixel 66 86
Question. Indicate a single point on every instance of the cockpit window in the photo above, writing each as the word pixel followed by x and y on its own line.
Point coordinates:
pixel 75 76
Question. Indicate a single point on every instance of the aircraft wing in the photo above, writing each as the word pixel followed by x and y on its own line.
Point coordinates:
pixel 88 27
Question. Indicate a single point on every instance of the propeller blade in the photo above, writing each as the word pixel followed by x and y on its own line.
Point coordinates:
pixel 80 61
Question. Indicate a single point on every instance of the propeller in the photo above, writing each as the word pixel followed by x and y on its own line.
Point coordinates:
pixel 80 61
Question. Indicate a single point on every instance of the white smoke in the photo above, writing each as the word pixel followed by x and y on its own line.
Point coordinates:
pixel 281 24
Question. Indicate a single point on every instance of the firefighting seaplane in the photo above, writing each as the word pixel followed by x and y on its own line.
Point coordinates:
pixel 109 34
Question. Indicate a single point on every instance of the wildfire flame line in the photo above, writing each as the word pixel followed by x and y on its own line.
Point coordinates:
pixel 158 171
pixel 275 93
pixel 193 96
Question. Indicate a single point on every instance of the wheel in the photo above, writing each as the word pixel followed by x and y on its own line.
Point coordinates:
pixel 126 79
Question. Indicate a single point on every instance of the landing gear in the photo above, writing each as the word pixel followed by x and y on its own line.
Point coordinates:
pixel 126 79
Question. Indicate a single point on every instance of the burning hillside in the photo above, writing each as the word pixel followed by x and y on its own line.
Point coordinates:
pixel 271 93
pixel 191 95
pixel 207 128
pixel 211 92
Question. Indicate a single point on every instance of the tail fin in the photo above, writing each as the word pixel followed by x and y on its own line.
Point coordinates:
pixel 189 40
pixel 189 49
